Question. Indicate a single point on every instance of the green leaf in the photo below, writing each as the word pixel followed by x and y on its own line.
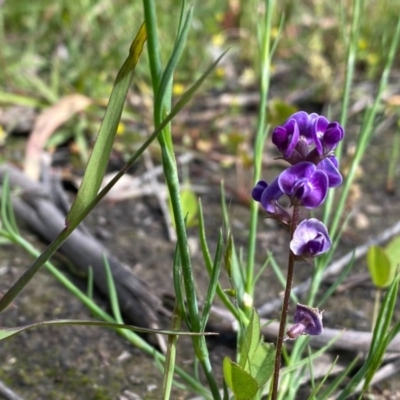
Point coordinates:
pixel 228 255
pixel 392 250
pixel 379 267
pixel 256 357
pixel 263 363
pixel 250 341
pixel 212 287
pixel 189 207
pixel 99 158
pixel 242 384
pixel 8 332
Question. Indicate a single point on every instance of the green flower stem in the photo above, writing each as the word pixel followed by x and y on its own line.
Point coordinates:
pixel 351 58
pixel 265 45
pixel 285 307
pixel 171 176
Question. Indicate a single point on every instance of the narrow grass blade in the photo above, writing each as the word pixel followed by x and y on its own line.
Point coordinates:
pixel 332 387
pixel 99 158
pixel 170 357
pixel 177 278
pixel 380 340
pixel 212 287
pixel 209 265
pixel 90 281
pixel 337 282
pixel 7 214
pixel 112 292
pixel 8 332
pixel 173 61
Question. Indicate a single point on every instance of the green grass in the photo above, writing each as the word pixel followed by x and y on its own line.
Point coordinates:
pixel 50 50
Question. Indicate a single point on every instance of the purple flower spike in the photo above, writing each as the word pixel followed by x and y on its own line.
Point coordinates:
pixel 308 321
pixel 304 184
pixel 310 239
pixel 268 196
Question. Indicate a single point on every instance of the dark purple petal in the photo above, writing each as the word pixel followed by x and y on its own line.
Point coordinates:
pixel 310 317
pixel 270 196
pixel 332 136
pixel 335 161
pixel 305 124
pixel 328 166
pixel 285 137
pixel 290 176
pixel 301 117
pixel 308 321
pixel 258 190
pixel 310 239
pixel 304 184
pixel 317 189
pixel 318 131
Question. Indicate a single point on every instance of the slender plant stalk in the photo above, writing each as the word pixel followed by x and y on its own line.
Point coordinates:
pixel 171 176
pixel 377 305
pixel 285 307
pixel 351 58
pixel 394 158
pixel 265 45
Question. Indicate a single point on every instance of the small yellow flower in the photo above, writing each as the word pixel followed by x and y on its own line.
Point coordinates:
pixel 178 89
pixel 121 129
pixel 218 40
pixel 3 135
pixel 362 44
pixel 219 72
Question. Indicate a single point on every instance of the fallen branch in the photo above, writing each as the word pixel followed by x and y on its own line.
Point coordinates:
pixel 41 207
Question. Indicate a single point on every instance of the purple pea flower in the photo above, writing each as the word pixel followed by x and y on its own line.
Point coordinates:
pixel 307 137
pixel 330 166
pixel 294 137
pixel 268 196
pixel 307 321
pixel 304 184
pixel 310 239
pixel 326 135
pixel 286 137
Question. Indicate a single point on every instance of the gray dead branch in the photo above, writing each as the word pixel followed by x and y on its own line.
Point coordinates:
pixel 42 207
pixel 7 394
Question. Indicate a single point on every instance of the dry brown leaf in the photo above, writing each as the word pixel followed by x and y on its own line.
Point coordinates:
pixel 45 125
